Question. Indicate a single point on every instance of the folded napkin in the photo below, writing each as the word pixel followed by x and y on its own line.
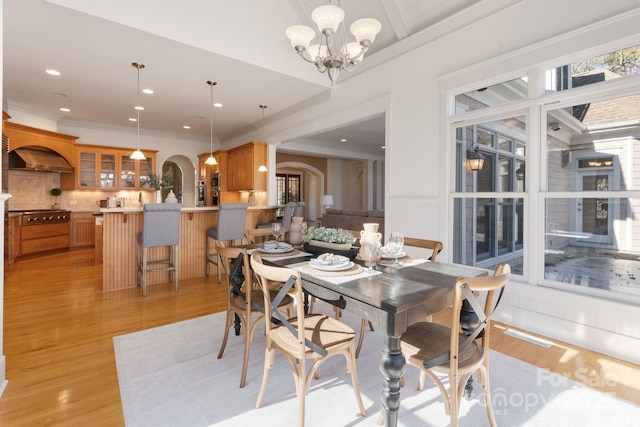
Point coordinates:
pixel 338 277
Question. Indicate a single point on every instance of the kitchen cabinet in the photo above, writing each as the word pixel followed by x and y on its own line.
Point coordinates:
pixel 134 173
pixel 12 238
pixel 243 163
pixel 82 229
pixel 25 136
pixel 111 169
pixel 206 173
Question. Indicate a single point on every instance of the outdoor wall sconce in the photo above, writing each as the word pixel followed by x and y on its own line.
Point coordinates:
pixel 520 173
pixel 475 160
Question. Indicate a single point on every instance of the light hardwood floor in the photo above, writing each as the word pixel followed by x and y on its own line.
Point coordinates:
pixel 59 325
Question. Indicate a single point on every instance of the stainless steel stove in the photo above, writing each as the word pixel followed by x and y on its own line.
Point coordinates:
pixel 44 230
pixel 38 217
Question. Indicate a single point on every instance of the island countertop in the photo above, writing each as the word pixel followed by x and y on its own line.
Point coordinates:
pixel 120 226
pixel 186 209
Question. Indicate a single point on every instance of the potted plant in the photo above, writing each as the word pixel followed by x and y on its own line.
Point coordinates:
pixel 319 240
pixel 56 192
pixel 160 182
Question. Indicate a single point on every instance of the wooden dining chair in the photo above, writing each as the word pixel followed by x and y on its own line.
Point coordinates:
pixel 258 235
pixel 244 299
pixel 314 337
pixel 438 349
pixel 364 323
pixel 434 245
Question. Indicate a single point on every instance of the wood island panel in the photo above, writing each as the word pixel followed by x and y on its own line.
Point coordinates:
pixel 120 246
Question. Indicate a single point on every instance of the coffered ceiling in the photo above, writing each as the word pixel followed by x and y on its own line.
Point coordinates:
pixel 240 44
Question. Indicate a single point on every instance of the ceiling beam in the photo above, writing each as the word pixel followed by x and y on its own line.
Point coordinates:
pixel 398 21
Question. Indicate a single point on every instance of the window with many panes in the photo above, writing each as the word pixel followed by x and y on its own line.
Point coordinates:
pixel 572 221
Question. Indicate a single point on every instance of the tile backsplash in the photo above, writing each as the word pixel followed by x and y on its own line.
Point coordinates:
pixel 32 190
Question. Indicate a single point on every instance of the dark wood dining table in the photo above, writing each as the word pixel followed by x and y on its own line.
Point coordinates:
pixel 392 300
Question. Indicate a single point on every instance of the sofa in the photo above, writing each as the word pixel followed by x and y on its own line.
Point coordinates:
pixel 352 219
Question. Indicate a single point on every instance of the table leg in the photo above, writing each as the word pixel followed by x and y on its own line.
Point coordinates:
pixel 237 324
pixel 392 364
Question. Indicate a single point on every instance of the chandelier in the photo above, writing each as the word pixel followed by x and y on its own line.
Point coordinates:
pixel 332 55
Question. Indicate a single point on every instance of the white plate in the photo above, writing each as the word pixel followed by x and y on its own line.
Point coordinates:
pixel 271 249
pixel 388 255
pixel 330 267
pixel 337 259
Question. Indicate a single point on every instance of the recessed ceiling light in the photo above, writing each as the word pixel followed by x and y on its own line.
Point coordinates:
pixel 66 110
pixel 61 95
pixel 383 147
pixel 147 91
pixel 186 127
pixel 343 140
pixel 52 72
pixel 138 107
pixel 217 105
pixel 133 119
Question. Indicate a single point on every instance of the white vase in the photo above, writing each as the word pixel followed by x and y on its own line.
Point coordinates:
pixel 158 196
pixel 370 235
pixel 295 230
pixel 171 197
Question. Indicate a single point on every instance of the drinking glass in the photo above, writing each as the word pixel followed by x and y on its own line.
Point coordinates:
pixel 396 243
pixel 370 248
pixel 277 231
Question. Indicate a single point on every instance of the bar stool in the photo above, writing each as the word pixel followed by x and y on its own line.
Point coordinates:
pixel 285 222
pixel 160 227
pixel 299 209
pixel 231 226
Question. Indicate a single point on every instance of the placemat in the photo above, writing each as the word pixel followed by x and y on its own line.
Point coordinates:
pixel 271 254
pixel 356 269
pixel 402 260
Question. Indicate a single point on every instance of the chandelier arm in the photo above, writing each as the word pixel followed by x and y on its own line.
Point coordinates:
pixel 302 51
pixel 352 59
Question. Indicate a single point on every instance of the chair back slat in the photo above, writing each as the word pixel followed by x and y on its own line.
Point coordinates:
pixel 434 245
pixel 291 280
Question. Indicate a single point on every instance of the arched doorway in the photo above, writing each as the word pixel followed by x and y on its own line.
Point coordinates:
pixel 184 179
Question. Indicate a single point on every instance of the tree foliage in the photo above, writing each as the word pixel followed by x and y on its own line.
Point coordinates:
pixel 622 62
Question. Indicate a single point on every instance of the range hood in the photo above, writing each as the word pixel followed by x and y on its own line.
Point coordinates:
pixel 38 159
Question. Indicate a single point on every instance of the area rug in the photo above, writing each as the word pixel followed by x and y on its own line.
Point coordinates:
pixel 170 376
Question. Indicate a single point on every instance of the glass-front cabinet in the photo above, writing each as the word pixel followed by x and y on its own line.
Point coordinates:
pixel 100 168
pixel 134 173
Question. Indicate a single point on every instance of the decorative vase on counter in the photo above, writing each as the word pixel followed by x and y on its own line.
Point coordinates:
pixel 295 230
pixel 158 196
pixel 370 234
pixel 171 197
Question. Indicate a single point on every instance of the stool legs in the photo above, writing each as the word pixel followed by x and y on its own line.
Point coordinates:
pixel 143 267
pixel 211 260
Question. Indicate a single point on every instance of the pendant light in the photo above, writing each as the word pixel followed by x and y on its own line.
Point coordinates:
pixel 211 160
pixel 262 167
pixel 138 155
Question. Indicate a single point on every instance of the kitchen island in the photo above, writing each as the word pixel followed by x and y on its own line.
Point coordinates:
pixel 119 246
